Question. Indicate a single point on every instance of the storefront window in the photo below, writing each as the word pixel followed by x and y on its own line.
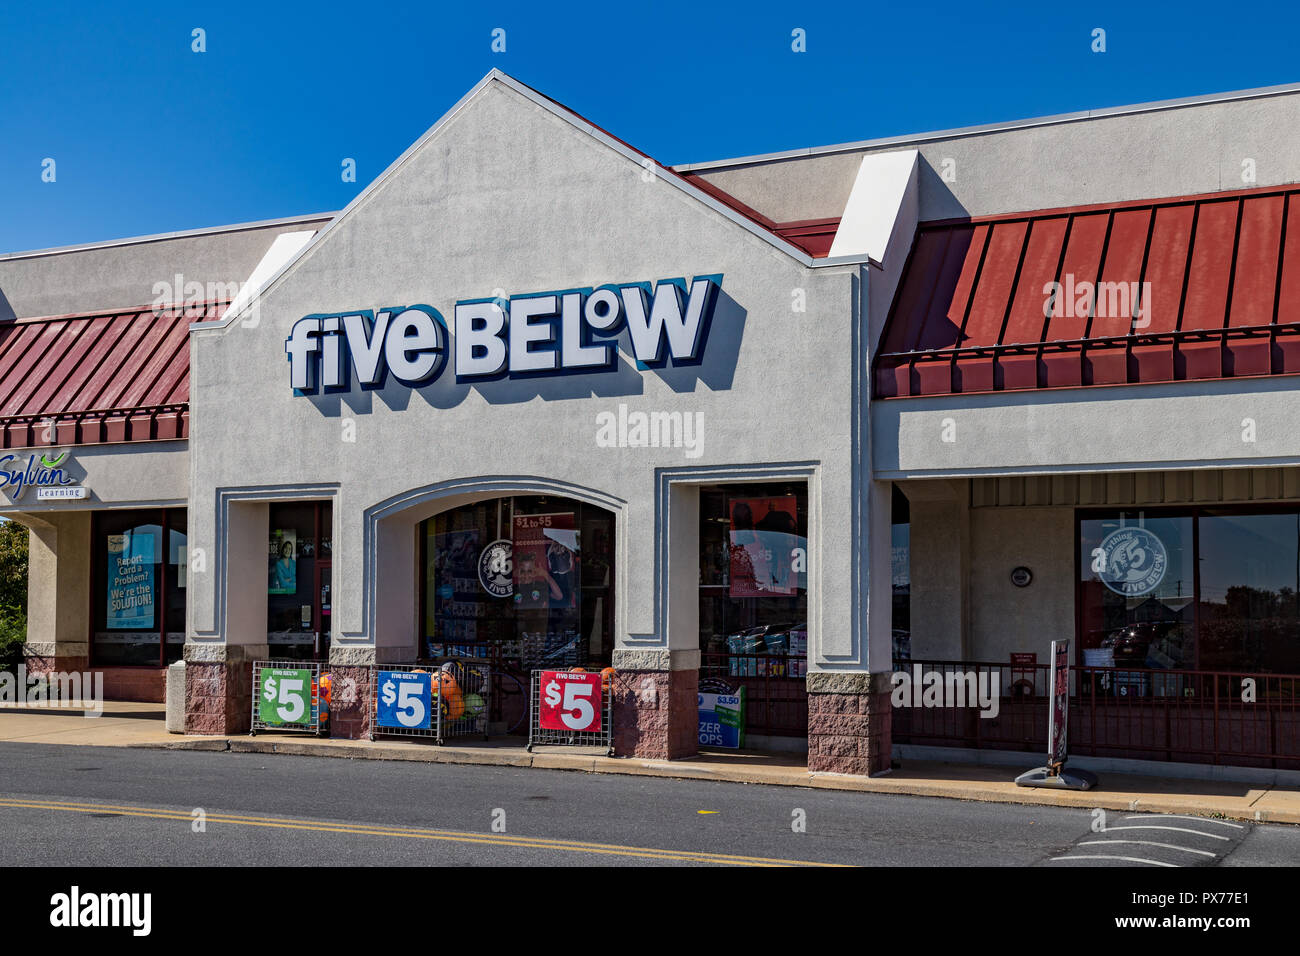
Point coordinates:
pixel 754 576
pixel 298 580
pixel 1250 592
pixel 175 583
pixel 527 581
pixel 1138 591
pixel 138 616
pixel 1207 589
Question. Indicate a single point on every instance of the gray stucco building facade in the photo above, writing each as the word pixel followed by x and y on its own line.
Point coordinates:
pixel 726 390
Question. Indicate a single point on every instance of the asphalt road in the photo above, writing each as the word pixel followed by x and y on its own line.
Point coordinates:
pixel 75 806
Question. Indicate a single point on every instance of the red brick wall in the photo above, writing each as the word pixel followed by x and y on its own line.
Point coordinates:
pixel 141 684
pixel 145 684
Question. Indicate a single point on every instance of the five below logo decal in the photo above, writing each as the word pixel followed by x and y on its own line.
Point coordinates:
pixel 538 334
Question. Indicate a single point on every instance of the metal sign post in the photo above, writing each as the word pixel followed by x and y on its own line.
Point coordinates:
pixel 1055 775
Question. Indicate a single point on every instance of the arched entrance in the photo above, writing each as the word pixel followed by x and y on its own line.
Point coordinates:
pixel 525 581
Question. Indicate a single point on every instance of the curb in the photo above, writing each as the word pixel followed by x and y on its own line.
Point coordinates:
pixel 590 763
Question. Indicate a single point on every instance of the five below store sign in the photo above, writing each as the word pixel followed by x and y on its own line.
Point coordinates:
pixel 539 334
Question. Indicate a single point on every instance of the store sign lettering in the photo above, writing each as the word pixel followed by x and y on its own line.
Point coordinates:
pixel 547 333
pixel 39 470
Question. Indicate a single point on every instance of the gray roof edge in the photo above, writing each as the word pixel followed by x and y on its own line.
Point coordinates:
pixel 164 236
pixel 1007 126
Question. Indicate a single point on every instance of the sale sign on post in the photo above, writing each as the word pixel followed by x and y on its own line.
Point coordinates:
pixel 1060 711
pixel 570 701
pixel 285 696
pixel 405 700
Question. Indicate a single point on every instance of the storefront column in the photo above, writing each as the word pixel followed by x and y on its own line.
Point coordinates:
pixel 350 704
pixel 395 625
pixel 656 712
pixel 58 592
pixel 219 674
pixel 849 708
pixel 939 555
pixel 656 690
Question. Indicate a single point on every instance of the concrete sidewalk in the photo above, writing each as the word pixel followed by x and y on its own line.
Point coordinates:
pixel 141 725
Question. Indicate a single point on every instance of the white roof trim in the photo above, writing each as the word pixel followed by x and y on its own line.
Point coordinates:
pixel 1007 126
pixel 164 236
pixel 884 197
pixel 284 248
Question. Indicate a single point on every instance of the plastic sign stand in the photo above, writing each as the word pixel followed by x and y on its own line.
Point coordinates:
pixel 1057 778
pixel 1054 775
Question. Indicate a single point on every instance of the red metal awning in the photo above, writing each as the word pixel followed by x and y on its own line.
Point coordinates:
pixel 97 377
pixel 1197 287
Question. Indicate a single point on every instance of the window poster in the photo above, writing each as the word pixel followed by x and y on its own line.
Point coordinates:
pixel 768 556
pixel 545 561
pixel 130 582
pixel 284 562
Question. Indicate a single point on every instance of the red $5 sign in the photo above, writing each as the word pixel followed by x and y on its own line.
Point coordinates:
pixel 569 701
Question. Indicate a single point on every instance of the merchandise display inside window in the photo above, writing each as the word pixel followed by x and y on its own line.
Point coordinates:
pixel 754 579
pixel 526 582
pixel 298 609
pixel 140 569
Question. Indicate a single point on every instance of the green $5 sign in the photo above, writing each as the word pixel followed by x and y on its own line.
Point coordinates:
pixel 284 696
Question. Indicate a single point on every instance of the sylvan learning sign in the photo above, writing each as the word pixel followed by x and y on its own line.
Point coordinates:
pixel 41 470
pixel 545 333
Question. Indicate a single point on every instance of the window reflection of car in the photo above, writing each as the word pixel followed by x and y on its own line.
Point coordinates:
pixel 1132 643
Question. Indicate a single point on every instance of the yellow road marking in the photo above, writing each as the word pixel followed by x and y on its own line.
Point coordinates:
pixel 453 836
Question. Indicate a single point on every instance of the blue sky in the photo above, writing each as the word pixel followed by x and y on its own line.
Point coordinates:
pixel 148 136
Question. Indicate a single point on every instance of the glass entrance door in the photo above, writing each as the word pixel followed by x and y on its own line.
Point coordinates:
pixel 298 606
pixel 323 617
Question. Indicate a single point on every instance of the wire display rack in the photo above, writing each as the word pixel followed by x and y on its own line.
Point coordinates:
pixel 448 699
pixel 467 697
pixel 539 736
pixel 286 697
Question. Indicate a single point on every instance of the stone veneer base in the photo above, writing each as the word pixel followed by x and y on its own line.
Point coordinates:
pixel 349 701
pixel 656 714
pixel 219 688
pixel 849 721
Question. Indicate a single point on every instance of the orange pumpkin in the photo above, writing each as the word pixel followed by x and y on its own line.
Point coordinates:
pixel 450 698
